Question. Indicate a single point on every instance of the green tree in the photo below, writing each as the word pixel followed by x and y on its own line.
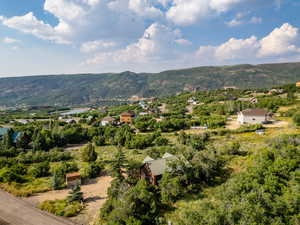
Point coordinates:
pixel 40 170
pixel 58 180
pixel 99 140
pixel 88 153
pixel 39 142
pixel 8 141
pixel 170 188
pixel 75 194
pixel 23 141
pixel 296 118
pixel 119 164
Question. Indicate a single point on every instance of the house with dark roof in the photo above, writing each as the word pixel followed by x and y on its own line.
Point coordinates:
pixel 253 116
pixel 153 169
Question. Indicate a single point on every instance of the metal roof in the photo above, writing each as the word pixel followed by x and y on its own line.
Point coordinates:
pixel 159 166
pixel 254 112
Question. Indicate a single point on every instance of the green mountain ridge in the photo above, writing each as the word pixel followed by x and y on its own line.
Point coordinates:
pixel 79 89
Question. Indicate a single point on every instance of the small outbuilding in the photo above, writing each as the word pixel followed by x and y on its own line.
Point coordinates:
pixel 73 179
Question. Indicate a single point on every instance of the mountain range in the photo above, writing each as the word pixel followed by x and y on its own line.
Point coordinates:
pixel 82 89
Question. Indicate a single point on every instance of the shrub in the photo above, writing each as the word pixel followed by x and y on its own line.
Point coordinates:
pixel 88 153
pixel 62 207
pixel 296 118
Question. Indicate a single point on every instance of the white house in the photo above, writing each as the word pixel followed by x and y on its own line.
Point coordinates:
pixel 253 116
pixel 107 120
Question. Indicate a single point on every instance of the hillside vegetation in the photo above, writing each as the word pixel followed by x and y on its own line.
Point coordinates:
pixel 91 88
pixel 217 171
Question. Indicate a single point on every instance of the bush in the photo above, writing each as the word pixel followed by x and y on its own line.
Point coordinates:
pixel 88 153
pixel 62 207
pixel 99 140
pixel 249 128
pixel 39 170
pixel 8 175
pixel 91 171
pixel 296 118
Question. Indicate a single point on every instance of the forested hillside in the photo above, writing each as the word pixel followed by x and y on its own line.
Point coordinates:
pixel 91 88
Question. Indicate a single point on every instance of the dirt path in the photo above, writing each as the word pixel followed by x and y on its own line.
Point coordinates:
pixel 189 109
pixel 233 124
pixel 95 194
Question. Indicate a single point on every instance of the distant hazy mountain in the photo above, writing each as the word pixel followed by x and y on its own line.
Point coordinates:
pixel 89 88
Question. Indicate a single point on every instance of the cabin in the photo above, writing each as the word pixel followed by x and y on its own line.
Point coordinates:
pixel 127 117
pixel 253 116
pixel 108 121
pixel 73 179
pixel 152 169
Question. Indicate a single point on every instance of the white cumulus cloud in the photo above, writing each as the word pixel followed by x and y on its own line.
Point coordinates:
pixel 158 42
pixel 187 12
pixel 280 42
pixel 93 46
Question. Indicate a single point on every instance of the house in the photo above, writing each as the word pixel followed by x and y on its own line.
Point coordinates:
pixel 192 101
pixel 230 88
pixel 127 117
pixel 73 179
pixel 143 104
pixel 15 135
pixel 260 132
pixel 253 116
pixel 21 121
pixel 143 113
pixel 107 121
pixel 152 169
pixel 298 84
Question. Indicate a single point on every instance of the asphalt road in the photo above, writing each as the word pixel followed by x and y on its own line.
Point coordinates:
pixel 14 211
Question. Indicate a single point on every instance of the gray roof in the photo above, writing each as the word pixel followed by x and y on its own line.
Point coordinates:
pixel 159 166
pixel 147 159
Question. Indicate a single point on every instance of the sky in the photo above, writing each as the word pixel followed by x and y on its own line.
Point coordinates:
pixel 40 37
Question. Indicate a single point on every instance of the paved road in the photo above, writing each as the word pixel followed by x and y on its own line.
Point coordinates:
pixel 14 211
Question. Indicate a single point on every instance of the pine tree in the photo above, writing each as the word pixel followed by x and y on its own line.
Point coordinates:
pixel 118 164
pixel 75 194
pixel 88 153
pixel 23 141
pixel 8 139
pixel 57 180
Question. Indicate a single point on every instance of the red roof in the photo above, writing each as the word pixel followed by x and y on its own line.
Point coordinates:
pixel 254 112
pixel 76 174
pixel 127 114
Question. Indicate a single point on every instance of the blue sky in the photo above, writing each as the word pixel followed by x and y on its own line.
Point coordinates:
pixel 93 36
